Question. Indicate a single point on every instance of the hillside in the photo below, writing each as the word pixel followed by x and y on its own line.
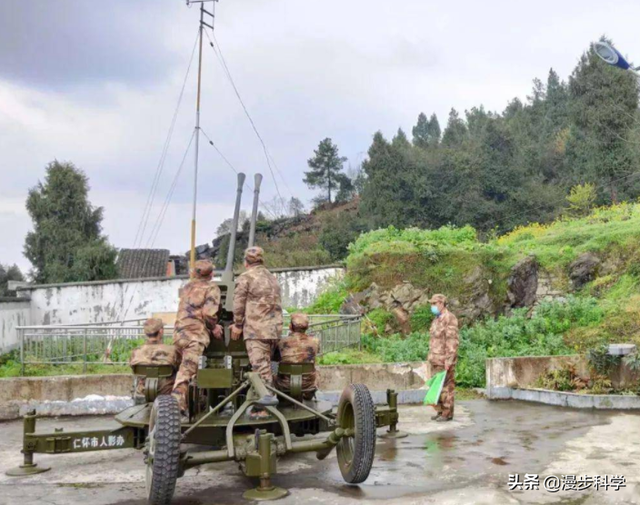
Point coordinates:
pixel 564 287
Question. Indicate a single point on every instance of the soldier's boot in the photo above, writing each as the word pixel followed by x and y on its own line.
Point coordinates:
pixel 436 417
pixel 443 419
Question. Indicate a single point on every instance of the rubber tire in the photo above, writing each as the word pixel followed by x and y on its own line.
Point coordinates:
pixel 164 426
pixel 355 456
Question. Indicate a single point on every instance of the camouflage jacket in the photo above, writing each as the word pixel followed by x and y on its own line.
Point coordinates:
pixel 257 307
pixel 152 353
pixel 443 345
pixel 198 311
pixel 299 348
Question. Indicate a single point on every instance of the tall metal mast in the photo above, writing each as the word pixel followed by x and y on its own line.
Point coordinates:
pixel 203 11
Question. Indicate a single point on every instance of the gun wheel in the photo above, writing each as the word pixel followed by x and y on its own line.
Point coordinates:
pixel 163 446
pixel 356 413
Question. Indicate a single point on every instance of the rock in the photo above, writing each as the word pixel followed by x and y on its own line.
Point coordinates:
pixel 403 320
pixel 584 269
pixel 351 306
pixel 522 284
pixel 476 303
pixel 408 297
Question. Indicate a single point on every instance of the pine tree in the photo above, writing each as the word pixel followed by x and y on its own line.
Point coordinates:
pixel 434 131
pixel 326 167
pixel 66 244
pixel 421 131
pixel 456 130
pixel 604 110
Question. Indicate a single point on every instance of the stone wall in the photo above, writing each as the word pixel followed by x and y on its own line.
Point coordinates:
pixel 12 313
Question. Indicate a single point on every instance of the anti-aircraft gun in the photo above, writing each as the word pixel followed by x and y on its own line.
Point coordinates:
pixel 223 391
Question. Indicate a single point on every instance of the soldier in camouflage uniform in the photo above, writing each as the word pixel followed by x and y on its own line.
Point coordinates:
pixel 443 353
pixel 257 314
pixel 196 320
pixel 298 348
pixel 154 352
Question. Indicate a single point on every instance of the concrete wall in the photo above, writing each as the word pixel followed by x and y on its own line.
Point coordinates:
pixel 12 314
pixel 64 395
pixel 93 302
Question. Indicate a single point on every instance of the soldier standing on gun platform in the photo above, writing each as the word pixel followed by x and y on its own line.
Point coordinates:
pixel 443 354
pixel 257 314
pixel 196 320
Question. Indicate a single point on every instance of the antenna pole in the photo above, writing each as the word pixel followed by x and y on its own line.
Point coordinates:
pixel 197 134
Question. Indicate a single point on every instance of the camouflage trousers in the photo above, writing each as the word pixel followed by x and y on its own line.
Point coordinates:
pixel 445 404
pixel 260 352
pixel 189 352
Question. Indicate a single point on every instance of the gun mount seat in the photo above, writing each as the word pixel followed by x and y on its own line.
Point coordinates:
pixel 152 375
pixel 295 371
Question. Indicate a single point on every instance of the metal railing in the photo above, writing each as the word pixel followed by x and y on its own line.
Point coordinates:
pixel 111 344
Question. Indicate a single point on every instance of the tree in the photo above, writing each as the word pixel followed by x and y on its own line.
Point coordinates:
pixel 326 167
pixel 434 131
pixel 426 133
pixel 581 199
pixel 456 130
pixel 421 131
pixel 66 244
pixel 9 273
pixel 604 105
pixel 296 207
pixel 226 226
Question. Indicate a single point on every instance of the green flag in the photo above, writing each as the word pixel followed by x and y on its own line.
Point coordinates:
pixel 434 388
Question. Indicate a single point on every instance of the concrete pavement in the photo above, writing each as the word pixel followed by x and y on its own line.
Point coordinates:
pixel 467 461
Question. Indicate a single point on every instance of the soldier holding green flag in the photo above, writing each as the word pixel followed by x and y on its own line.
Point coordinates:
pixel 443 353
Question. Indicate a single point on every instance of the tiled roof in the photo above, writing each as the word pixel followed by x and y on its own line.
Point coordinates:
pixel 141 263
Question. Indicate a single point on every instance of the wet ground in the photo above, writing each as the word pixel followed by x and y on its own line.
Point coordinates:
pixel 467 461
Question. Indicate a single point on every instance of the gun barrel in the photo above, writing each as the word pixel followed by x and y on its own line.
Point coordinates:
pixel 234 229
pixel 254 212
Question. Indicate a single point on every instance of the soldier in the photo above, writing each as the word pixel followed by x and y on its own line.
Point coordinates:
pixel 257 314
pixel 196 320
pixel 297 348
pixel 443 353
pixel 154 352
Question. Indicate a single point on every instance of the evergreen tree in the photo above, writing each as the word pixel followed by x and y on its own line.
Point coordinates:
pixel 434 131
pixel 326 167
pixel 421 131
pixel 603 110
pixel 66 244
pixel 426 133
pixel 456 130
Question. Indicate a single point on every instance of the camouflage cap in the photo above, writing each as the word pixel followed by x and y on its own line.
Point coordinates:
pixel 153 326
pixel 299 321
pixel 438 298
pixel 203 268
pixel 254 255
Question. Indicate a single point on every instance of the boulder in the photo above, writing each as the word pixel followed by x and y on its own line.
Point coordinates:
pixel 476 303
pixel 584 269
pixel 407 297
pixel 522 284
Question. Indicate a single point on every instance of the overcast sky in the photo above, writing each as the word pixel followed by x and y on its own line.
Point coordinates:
pixel 97 83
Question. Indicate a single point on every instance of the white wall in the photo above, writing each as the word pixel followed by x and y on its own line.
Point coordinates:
pixel 12 314
pixel 94 302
